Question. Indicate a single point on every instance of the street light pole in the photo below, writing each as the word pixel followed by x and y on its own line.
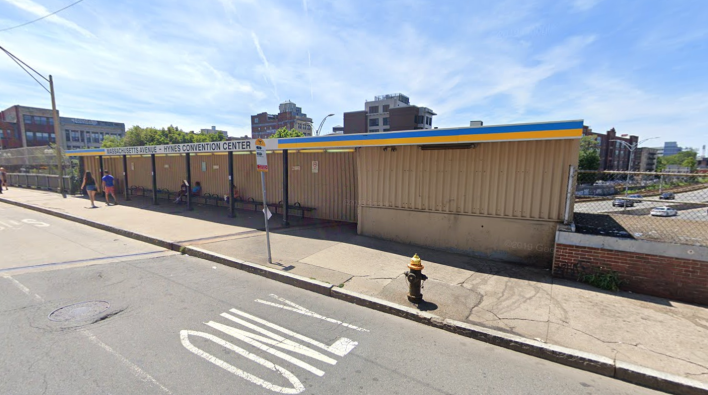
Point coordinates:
pixel 322 123
pixel 58 138
pixel 631 148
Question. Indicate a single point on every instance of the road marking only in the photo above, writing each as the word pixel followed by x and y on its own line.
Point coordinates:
pixel 341 347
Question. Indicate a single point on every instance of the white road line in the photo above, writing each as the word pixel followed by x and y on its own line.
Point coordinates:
pixel 299 309
pixel 139 373
pixel 280 341
pixel 297 385
pixel 246 337
pixel 23 288
pixel 340 348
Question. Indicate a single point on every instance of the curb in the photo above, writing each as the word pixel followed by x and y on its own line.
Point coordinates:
pixel 565 356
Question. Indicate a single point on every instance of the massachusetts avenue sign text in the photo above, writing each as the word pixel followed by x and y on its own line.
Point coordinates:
pixel 219 146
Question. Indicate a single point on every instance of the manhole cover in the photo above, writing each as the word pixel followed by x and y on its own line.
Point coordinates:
pixel 79 311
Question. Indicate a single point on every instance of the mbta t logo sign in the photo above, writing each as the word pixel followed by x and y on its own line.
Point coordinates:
pixel 261 159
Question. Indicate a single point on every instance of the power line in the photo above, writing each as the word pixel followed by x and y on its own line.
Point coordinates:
pixel 39 19
pixel 15 57
pixel 21 63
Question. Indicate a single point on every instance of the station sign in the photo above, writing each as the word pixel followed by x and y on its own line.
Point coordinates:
pixel 216 146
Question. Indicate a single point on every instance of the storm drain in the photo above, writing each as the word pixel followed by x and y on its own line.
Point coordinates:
pixel 79 311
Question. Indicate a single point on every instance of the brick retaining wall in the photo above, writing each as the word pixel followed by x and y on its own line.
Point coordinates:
pixel 668 277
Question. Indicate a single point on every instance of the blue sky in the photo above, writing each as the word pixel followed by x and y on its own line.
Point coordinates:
pixel 636 65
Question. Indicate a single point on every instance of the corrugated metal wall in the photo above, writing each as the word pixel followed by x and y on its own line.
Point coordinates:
pixel 332 190
pixel 526 179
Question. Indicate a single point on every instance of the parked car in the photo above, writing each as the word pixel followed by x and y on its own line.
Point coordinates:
pixel 667 196
pixel 622 203
pixel 638 197
pixel 663 212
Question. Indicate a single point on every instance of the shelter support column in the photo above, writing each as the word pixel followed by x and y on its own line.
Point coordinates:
pixel 285 188
pixel 188 161
pixel 100 176
pixel 154 180
pixel 232 202
pixel 125 177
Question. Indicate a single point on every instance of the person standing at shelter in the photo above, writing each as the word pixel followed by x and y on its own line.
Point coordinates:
pixel 109 188
pixel 90 185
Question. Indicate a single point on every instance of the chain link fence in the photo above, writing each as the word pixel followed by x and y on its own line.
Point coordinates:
pixel 37 167
pixel 668 207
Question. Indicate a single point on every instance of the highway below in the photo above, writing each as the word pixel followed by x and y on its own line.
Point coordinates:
pixel 85 311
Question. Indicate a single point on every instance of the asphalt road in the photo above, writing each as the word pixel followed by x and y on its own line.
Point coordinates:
pixel 605 206
pixel 83 312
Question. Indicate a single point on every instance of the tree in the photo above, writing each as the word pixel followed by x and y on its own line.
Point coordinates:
pixel 284 132
pixel 112 142
pixel 589 159
pixel 683 158
pixel 137 136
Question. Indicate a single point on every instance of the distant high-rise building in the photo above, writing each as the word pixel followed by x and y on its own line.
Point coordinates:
pixel 264 125
pixel 214 131
pixel 388 113
pixel 671 148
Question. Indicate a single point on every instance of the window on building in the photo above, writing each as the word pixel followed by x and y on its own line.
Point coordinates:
pixel 27 119
pixel 51 121
pixel 67 135
pixel 373 130
pixel 2 134
pixel 374 122
pixel 40 120
pixel 385 121
pixel 373 109
pixel 385 107
pixel 386 130
pixel 53 137
pixel 255 120
pixel 75 135
pixel 30 136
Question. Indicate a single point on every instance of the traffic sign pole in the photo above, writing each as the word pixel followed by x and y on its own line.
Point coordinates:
pixel 262 167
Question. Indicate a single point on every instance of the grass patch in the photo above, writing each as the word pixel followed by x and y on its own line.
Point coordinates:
pixel 603 279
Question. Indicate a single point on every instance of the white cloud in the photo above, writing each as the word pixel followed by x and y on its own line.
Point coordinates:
pixel 584 5
pixel 39 11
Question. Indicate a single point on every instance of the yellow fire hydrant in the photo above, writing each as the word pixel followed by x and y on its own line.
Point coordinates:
pixel 415 279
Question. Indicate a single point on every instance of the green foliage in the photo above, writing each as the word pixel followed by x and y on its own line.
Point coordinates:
pixel 589 159
pixel 284 132
pixel 684 158
pixel 137 136
pixel 602 278
pixel 112 142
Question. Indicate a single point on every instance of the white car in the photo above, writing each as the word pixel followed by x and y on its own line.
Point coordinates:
pixel 663 212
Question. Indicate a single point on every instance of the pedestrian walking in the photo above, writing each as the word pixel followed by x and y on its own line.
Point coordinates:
pixel 3 179
pixel 90 185
pixel 109 188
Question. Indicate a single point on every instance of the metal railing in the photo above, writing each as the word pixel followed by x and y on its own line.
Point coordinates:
pixel 668 207
pixel 47 182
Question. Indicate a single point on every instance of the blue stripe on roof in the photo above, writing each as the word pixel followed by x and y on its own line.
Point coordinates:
pixel 439 132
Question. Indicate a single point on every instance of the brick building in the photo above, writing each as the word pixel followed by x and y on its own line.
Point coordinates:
pixel 387 113
pixel 264 125
pixel 34 127
pixel 613 154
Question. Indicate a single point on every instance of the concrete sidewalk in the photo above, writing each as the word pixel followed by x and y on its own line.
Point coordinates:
pixel 651 332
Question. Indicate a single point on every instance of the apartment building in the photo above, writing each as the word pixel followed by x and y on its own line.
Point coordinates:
pixel 387 113
pixel 290 116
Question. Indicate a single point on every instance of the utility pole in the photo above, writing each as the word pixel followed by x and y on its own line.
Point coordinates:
pixel 58 138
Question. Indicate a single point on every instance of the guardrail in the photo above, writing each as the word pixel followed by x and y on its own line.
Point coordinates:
pixel 47 182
